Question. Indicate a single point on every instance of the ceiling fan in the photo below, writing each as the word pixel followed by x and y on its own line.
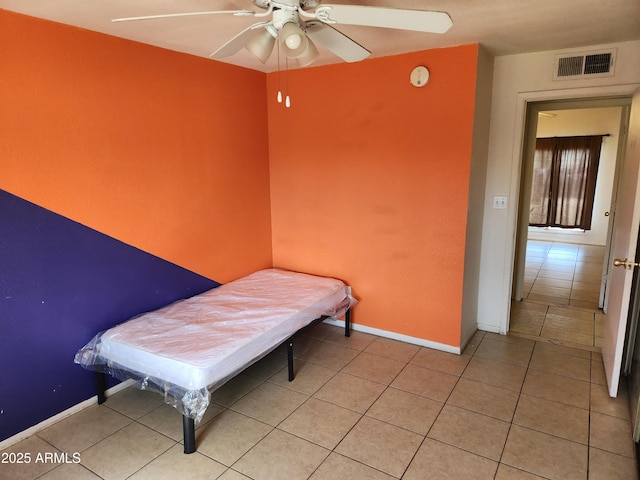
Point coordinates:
pixel 299 24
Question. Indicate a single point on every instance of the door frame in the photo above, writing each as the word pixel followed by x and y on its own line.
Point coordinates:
pixel 533 108
pixel 522 102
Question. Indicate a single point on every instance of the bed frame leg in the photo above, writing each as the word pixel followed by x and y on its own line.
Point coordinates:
pixel 347 323
pixel 189 433
pixel 290 358
pixel 101 386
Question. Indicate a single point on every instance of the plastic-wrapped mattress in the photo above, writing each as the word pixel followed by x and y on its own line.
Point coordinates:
pixel 195 345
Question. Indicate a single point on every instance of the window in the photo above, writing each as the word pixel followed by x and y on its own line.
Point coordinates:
pixel 564 181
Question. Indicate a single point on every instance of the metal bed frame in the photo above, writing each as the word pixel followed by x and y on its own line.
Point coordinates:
pixel 188 424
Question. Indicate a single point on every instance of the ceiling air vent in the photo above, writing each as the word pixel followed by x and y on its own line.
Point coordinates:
pixel 584 65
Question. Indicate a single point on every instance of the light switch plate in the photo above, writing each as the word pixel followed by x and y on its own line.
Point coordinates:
pixel 500 202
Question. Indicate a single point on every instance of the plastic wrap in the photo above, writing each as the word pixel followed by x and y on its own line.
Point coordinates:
pixel 193 346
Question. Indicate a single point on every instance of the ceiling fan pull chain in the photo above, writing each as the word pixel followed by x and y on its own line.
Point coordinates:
pixel 287 100
pixel 279 75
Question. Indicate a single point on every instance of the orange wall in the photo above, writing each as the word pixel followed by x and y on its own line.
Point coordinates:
pixel 369 183
pixel 164 151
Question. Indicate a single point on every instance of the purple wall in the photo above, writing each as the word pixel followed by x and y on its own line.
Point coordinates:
pixel 60 284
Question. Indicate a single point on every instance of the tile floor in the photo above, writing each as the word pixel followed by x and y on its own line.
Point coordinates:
pixel 365 408
pixel 561 294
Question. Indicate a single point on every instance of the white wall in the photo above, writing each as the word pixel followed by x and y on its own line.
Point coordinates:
pixel 473 251
pixel 518 79
pixel 587 121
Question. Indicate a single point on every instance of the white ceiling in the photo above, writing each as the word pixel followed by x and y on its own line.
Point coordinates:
pixel 503 26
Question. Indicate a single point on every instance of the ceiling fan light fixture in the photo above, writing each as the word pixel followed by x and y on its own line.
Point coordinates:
pixel 261 45
pixel 309 55
pixel 293 40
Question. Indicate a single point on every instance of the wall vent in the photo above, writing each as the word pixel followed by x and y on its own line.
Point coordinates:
pixel 584 65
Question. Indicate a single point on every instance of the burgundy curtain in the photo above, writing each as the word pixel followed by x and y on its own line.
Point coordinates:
pixel 564 181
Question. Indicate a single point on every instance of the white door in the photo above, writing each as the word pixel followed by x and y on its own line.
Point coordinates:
pixel 625 239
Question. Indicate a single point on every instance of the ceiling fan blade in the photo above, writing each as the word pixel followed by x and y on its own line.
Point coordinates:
pixel 239 41
pixel 417 20
pixel 186 14
pixel 336 42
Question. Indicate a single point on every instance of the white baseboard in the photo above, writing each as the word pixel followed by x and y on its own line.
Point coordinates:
pixel 56 418
pixel 397 336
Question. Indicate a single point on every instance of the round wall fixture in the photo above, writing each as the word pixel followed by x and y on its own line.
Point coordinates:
pixel 419 76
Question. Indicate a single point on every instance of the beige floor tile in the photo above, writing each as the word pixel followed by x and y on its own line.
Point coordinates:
pixel 588 268
pixel 509 339
pixel 394 349
pixel 133 446
pixel 330 355
pixel 601 402
pixel 505 472
pixel 511 353
pixel 168 421
pixel 524 328
pixel 321 331
pixel 560 364
pixel 133 402
pixel 232 475
pixel 558 274
pixel 441 361
pixel 338 467
pixel 586 287
pixel 607 466
pixel 586 297
pixel 320 422
pixel 84 429
pixel 595 279
pixel 267 366
pixel 470 431
pixel 519 307
pixel 587 304
pixel 234 389
pixel 438 461
pixel 350 392
pixel 568 337
pixel 564 421
pixel 565 350
pixel 425 382
pixel 229 436
pixel 554 283
pixel 528 317
pixel 374 367
pixel 557 388
pixel 68 471
pixel 301 345
pixel 545 455
pixel 550 291
pixel 281 455
pixel 495 373
pixel 269 403
pixel 552 300
pixel 585 327
pixel 308 377
pixel 382 446
pixel 598 375
pixel 472 344
pixel 22 459
pixel 570 313
pixel 483 398
pixel 611 434
pixel 357 340
pixel 405 410
pixel 175 464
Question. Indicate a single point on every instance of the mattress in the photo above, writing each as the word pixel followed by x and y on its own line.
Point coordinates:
pixel 195 345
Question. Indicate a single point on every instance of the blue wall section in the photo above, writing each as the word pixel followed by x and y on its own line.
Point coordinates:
pixel 60 284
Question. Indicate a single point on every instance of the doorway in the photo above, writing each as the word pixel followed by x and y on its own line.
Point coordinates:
pixel 560 277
